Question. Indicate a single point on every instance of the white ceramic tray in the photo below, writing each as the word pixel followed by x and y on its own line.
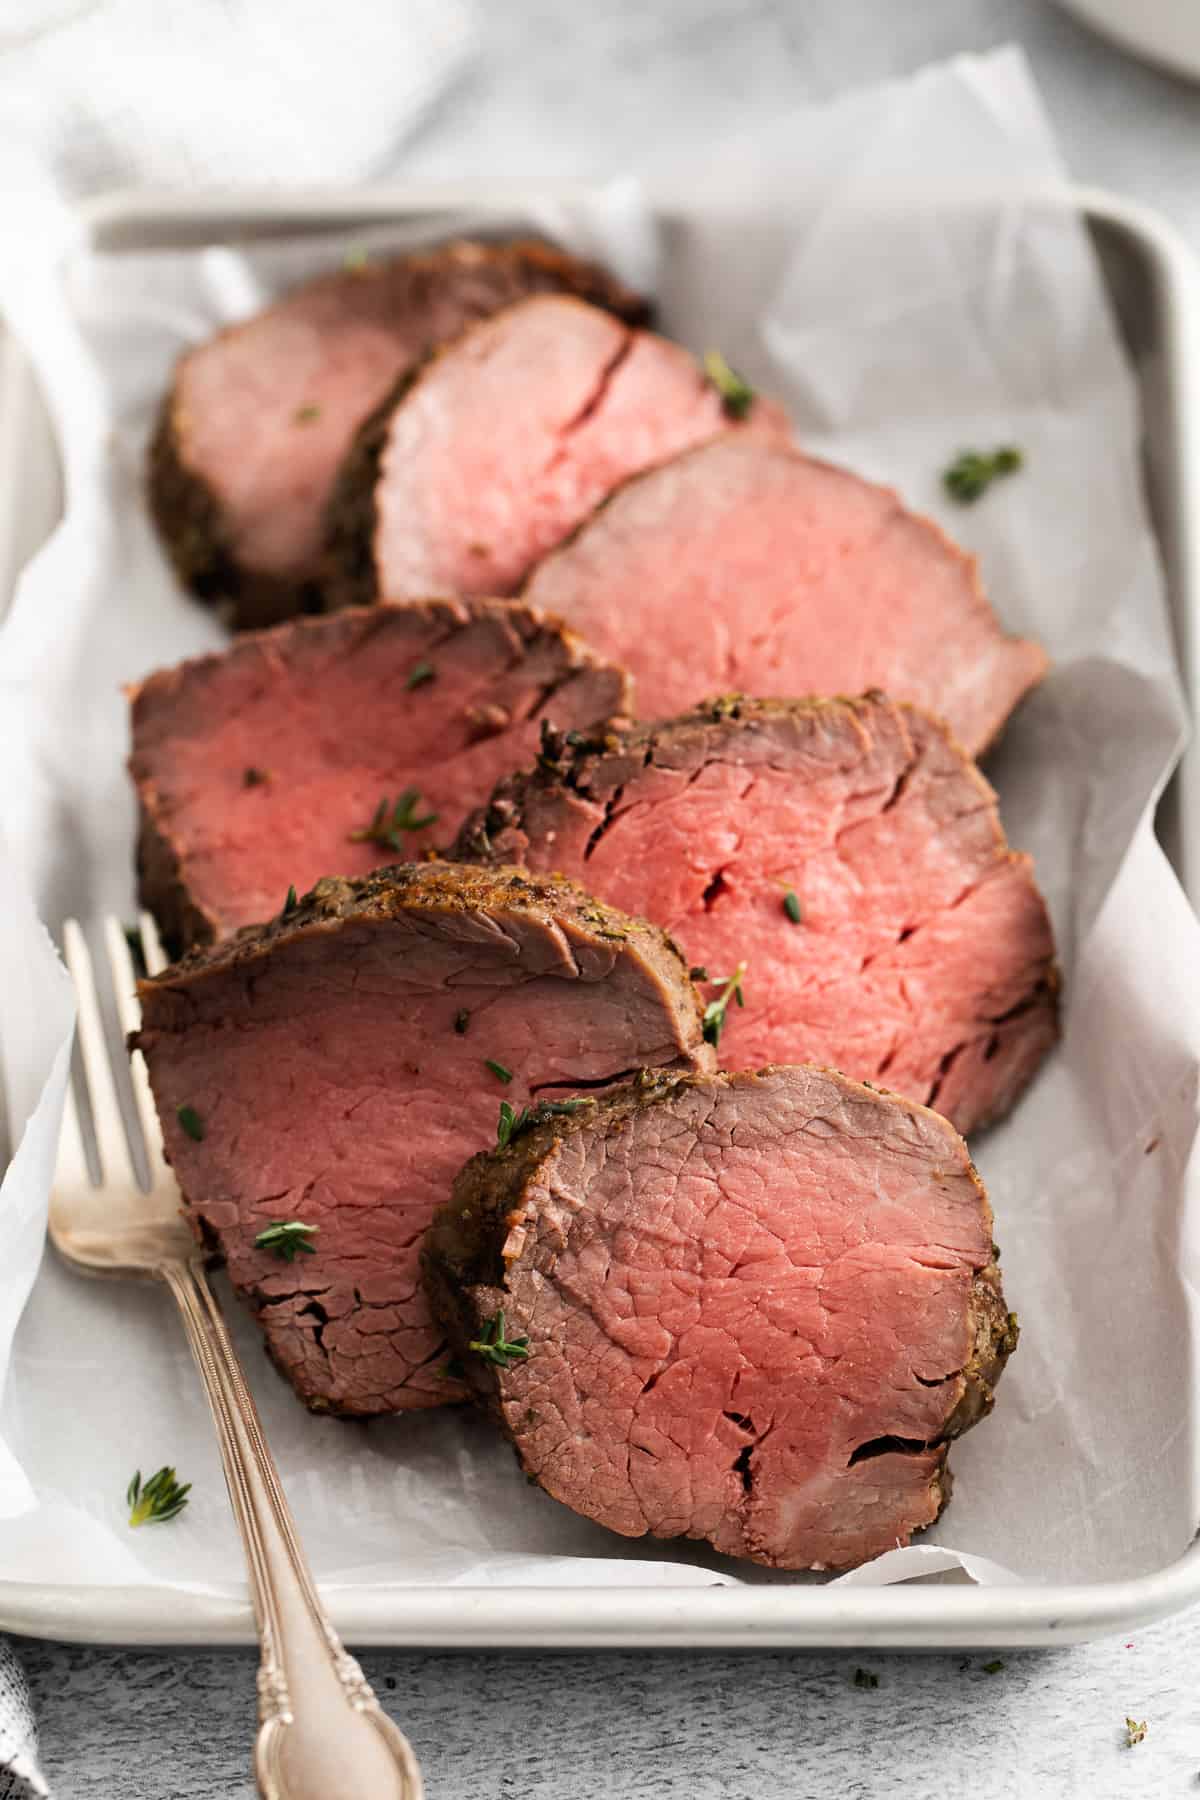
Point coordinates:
pixel 1155 286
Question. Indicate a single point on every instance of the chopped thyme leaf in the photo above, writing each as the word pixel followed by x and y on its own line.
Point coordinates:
pixel 253 777
pixel 452 1370
pixel 865 1678
pixel 973 472
pixel 306 415
pixel 191 1122
pixel 462 1019
pixel 994 1667
pixel 385 827
pixel 715 1011
pixel 290 902
pixel 498 1070
pixel 737 396
pixel 492 1345
pixel 285 1237
pixel 420 675
pixel 791 906
pixel 699 973
pixel 507 1125
pixel 1135 1731
pixel 158 1499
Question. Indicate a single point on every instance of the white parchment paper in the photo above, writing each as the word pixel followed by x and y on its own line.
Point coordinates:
pixel 905 268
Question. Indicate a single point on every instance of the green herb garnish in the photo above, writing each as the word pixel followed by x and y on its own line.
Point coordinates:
pixel 715 1011
pixel 160 1499
pixel 290 902
pixel 191 1122
pixel 422 673
pixel 737 396
pixel 699 973
pixel 494 1347
pixel 285 1237
pixel 462 1019
pixel 973 472
pixel 498 1070
pixel 386 828
pixel 994 1667
pixel 306 415
pixel 791 906
pixel 452 1370
pixel 1135 1731
pixel 512 1124
pixel 865 1678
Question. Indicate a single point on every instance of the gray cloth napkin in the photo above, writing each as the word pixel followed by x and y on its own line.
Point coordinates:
pixel 102 94
pixel 20 1777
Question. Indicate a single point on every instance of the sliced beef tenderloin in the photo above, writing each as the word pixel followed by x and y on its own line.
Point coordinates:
pixel 336 1066
pixel 267 765
pixel 258 419
pixel 846 851
pixel 750 566
pixel 746 1308
pixel 494 451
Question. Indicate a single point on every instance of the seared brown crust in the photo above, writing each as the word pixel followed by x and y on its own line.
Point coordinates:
pixel 183 505
pixel 162 887
pixel 466 1275
pixel 193 533
pixel 348 575
pixel 431 888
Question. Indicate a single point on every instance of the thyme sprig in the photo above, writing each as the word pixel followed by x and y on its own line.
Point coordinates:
pixel 386 826
pixel 155 1501
pixel 284 1237
pixel 494 1347
pixel 715 1011
pixel 737 396
pixel 1135 1732
pixel 973 471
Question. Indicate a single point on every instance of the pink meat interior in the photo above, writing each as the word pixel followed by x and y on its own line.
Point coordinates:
pixel 339 1083
pixel 754 1320
pixel 922 947
pixel 750 568
pixel 515 433
pixel 263 763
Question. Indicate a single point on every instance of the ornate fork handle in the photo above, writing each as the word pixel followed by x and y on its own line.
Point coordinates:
pixel 322 1733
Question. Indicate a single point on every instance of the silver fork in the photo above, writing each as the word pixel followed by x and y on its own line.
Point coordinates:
pixel 322 1733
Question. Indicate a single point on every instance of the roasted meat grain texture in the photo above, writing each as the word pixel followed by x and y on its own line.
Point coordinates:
pixel 749 566
pixel 258 418
pixel 758 1307
pixel 847 851
pixel 257 768
pixel 495 450
pixel 341 1063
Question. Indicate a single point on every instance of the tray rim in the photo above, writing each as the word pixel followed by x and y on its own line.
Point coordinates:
pixel 904 1615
